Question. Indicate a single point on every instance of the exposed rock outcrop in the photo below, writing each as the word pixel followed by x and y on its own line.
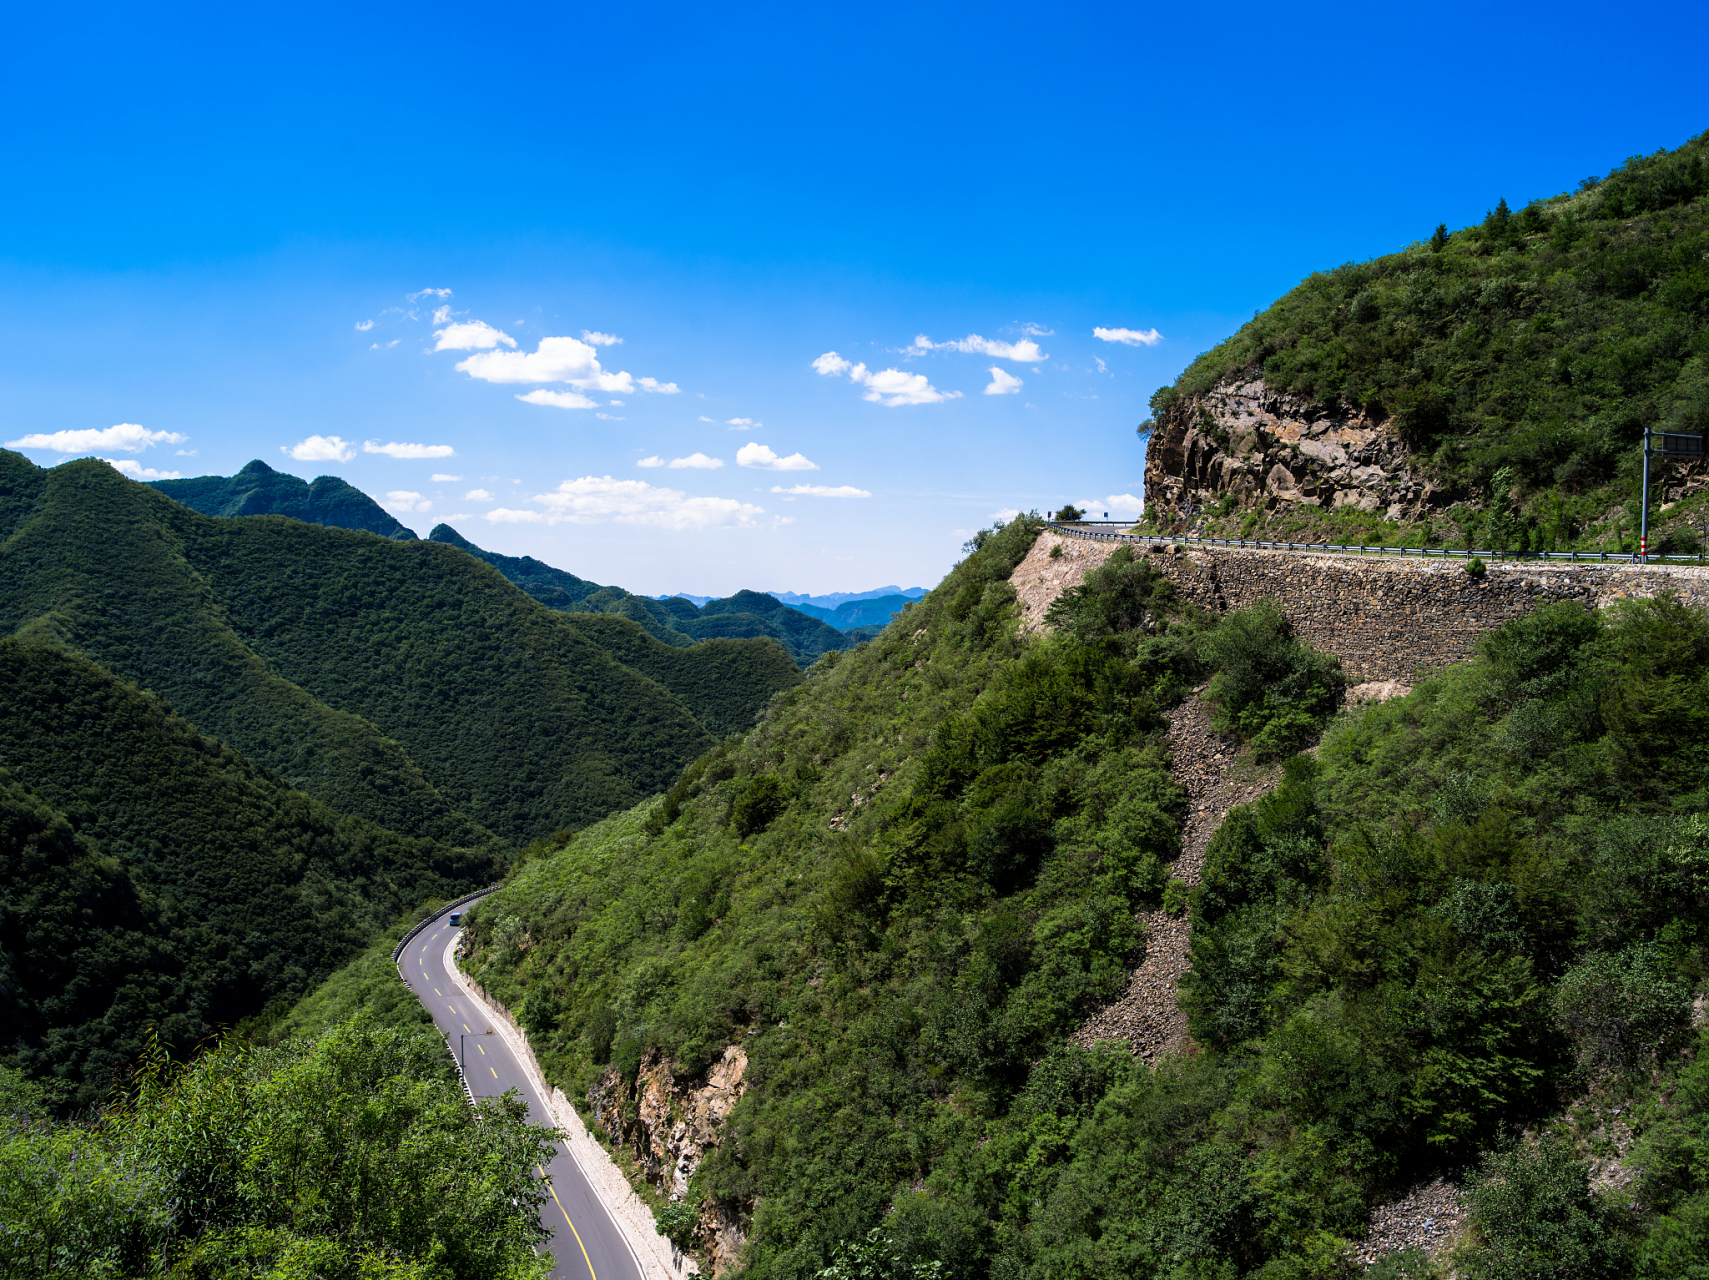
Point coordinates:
pixel 668 1127
pixel 1274 450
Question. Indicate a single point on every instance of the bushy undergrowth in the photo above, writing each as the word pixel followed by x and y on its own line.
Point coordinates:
pixel 353 1156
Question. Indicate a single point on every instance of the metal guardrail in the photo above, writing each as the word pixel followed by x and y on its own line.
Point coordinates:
pixel 1079 529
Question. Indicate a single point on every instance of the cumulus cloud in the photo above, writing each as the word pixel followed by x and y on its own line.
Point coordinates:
pixel 739 424
pixel 823 491
pixel 1002 384
pixel 468 335
pixel 596 499
pixel 755 454
pixel 599 339
pixel 697 461
pixel 477 495
pixel 136 471
pixel 555 360
pixel 402 501
pixel 891 387
pixel 439 477
pixel 1117 504
pixel 559 399
pixel 654 461
pixel 1024 352
pixel 362 326
pixel 321 449
pixel 125 436
pixel 505 515
pixel 1129 337
pixel 662 388
pixel 397 449
pixel 419 294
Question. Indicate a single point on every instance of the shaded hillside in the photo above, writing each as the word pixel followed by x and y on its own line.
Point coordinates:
pixel 153 877
pixel 875 612
pixel 401 681
pixel 674 621
pixel 1496 379
pixel 258 490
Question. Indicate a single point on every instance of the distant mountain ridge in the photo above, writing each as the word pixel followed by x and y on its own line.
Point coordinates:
pixel 258 490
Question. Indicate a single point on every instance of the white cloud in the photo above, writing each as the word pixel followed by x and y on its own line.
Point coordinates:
pixel 1099 361
pixel 755 454
pixel 468 335
pixel 662 388
pixel 1117 504
pixel 126 436
pixel 1024 352
pixel 455 515
pixel 739 424
pixel 555 360
pixel 477 495
pixel 654 461
pixel 1002 384
pixel 439 477
pixel 136 471
pixel 321 449
pixel 824 491
pixel 397 449
pixel 403 501
pixel 610 417
pixel 362 326
pixel 1006 514
pixel 427 293
pixel 599 339
pixel 504 515
pixel 559 399
pixel 698 461
pixel 616 404
pixel 1037 331
pixel 377 347
pixel 1129 337
pixel 704 418
pixel 891 387
pixel 595 499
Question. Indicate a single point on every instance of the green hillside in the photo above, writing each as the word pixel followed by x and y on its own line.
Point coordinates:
pixel 753 613
pixel 399 681
pixel 1472 905
pixel 151 877
pixel 1526 353
pixel 258 490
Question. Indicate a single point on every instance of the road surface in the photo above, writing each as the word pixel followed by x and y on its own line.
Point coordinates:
pixel 585 1241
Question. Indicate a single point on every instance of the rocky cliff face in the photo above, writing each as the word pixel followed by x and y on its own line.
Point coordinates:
pixel 1273 450
pixel 669 1127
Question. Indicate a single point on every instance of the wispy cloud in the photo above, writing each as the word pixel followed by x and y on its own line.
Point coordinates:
pixel 1037 331
pixel 823 491
pixel 597 499
pixel 660 388
pixel 419 294
pixel 740 424
pixel 754 454
pixel 599 339
pixel 469 335
pixel 397 449
pixel 136 471
pixel 1129 337
pixel 125 436
pixel 403 501
pixel 362 326
pixel 1002 384
pixel 1023 352
pixel 891 387
pixel 439 477
pixel 321 449
pixel 696 461
pixel 559 399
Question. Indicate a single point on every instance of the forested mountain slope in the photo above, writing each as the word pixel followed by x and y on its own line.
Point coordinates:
pixel 258 490
pixel 151 877
pixel 400 681
pixel 1495 380
pixel 904 891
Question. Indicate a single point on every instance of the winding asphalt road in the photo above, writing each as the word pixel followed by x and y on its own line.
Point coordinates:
pixel 585 1241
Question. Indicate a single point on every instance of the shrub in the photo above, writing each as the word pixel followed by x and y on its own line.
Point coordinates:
pixel 1476 568
pixel 1069 512
pixel 1619 1008
pixel 1532 1206
pixel 761 801
pixel 1269 688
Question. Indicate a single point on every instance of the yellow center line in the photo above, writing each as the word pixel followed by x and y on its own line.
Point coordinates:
pixel 483 1049
pixel 439 993
pixel 567 1222
pixel 465 1026
pixel 495 1074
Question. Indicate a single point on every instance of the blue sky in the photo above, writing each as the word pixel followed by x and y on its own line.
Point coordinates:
pixel 220 230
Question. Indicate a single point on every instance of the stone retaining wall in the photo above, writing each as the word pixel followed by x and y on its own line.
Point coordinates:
pixel 1386 619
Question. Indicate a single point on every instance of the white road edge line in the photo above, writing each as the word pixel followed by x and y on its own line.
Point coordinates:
pixel 605 1178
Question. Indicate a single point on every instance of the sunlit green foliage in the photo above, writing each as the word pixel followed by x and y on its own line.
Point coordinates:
pixel 258 490
pixel 350 1157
